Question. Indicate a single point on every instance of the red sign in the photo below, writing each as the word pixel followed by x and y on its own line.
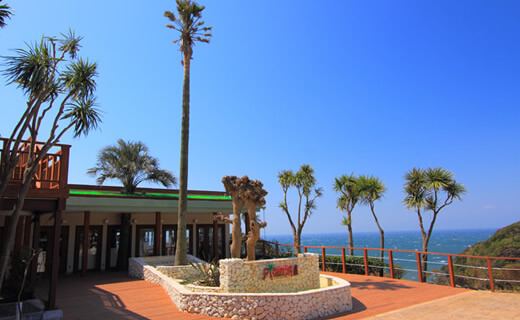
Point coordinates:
pixel 280 271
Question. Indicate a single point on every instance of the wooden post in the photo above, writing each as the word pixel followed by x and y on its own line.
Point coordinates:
pixel 277 250
pixel 323 258
pixel 304 249
pixel 490 271
pixel 391 262
pixel 86 234
pixel 64 167
pixel 27 232
pixel 450 268
pixel 158 234
pixel 19 234
pixel 215 237
pixel 419 267
pixel 365 256
pixel 343 259
pixel 36 246
pixel 7 219
pixel 55 263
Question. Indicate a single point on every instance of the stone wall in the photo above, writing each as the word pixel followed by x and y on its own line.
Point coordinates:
pixel 273 275
pixel 165 265
pixel 327 301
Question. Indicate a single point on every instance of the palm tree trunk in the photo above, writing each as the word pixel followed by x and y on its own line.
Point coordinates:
pixel 381 232
pixel 124 242
pixel 8 244
pixel 181 254
pixel 350 236
pixel 424 257
pixel 297 242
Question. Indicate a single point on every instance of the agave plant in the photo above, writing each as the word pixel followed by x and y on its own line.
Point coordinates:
pixel 205 274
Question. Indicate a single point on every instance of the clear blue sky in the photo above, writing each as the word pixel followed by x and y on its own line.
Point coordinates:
pixel 370 87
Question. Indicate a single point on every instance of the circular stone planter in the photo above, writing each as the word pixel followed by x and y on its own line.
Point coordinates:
pixel 332 297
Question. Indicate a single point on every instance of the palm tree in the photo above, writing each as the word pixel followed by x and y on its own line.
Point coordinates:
pixel 5 13
pixel 305 184
pixel 63 93
pixel 130 163
pixel 191 30
pixel 430 190
pixel 346 185
pixel 370 190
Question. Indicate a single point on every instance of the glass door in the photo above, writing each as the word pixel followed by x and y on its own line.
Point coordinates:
pixel 93 247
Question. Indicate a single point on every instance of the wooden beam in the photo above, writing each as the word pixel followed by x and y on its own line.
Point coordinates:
pixel 64 167
pixel 6 223
pixel 86 234
pixel 27 232
pixel 55 262
pixel 36 246
pixel 19 234
pixel 215 237
pixel 158 235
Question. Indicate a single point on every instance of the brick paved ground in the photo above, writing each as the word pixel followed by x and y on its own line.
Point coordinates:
pixel 113 295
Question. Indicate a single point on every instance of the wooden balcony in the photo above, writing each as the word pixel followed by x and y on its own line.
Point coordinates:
pixel 51 176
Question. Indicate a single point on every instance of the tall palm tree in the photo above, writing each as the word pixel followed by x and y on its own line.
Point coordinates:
pixel 130 163
pixel 372 189
pixel 346 185
pixel 191 30
pixel 5 13
pixel 430 190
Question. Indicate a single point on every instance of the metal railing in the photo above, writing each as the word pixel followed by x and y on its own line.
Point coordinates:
pixel 483 272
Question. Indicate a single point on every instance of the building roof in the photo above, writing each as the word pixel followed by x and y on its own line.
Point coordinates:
pixel 111 199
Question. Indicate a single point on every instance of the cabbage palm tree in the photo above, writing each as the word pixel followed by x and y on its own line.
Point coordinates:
pixel 62 93
pixel 346 185
pixel 130 163
pixel 372 189
pixel 430 190
pixel 305 184
pixel 191 30
pixel 5 13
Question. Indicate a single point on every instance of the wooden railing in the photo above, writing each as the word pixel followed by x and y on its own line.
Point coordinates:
pixel 51 172
pixel 486 271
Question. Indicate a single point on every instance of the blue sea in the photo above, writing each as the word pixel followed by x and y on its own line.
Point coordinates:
pixel 442 241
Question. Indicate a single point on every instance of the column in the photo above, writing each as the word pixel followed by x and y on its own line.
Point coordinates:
pixel 55 263
pixel 158 235
pixel 86 233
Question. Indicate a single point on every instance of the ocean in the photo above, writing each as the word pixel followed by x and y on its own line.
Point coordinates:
pixel 442 241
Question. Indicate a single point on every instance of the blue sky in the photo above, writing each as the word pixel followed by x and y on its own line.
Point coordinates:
pixel 370 87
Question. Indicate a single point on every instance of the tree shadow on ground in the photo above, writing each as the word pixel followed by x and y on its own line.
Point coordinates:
pixel 370 285
pixel 79 297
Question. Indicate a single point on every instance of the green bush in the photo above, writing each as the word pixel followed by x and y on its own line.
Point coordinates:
pixel 356 265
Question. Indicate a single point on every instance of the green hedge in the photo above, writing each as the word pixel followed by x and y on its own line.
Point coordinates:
pixel 356 265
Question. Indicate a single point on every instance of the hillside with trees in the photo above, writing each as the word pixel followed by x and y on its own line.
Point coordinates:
pixel 504 243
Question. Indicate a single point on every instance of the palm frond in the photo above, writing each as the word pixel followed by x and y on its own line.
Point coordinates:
pixel 84 115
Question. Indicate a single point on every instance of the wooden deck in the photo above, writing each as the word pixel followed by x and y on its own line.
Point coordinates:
pixel 110 295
